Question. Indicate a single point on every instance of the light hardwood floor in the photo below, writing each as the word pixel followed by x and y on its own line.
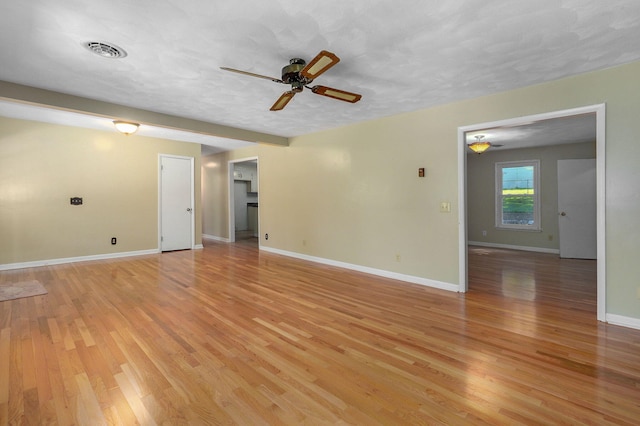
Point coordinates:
pixel 228 335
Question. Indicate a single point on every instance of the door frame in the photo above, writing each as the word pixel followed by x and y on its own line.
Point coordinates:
pixel 231 201
pixel 600 111
pixel 192 197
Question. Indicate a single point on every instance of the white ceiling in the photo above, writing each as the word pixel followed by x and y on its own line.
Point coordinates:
pixel 401 55
pixel 552 131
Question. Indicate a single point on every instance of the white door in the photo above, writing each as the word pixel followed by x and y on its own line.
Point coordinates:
pixel 577 223
pixel 176 203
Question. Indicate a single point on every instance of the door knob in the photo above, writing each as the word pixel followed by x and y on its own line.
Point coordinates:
pixel 189 209
pixel 563 214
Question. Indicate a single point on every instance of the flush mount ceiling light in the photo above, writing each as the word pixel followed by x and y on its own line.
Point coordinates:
pixel 126 127
pixel 479 146
pixel 105 50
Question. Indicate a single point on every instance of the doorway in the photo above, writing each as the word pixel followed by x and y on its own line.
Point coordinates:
pixel 244 201
pixel 176 202
pixel 599 111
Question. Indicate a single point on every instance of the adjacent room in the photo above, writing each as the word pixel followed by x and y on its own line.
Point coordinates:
pixel 298 212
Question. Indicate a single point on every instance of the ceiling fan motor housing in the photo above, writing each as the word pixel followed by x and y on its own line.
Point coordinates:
pixel 291 74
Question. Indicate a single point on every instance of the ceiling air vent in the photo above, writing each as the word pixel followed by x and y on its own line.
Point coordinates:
pixel 106 50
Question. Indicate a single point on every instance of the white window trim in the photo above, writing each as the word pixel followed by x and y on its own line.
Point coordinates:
pixel 536 226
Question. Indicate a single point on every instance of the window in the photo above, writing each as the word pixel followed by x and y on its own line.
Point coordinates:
pixel 518 195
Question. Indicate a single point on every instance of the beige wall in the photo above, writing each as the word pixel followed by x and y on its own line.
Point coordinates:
pixel 43 165
pixel 352 194
pixel 481 194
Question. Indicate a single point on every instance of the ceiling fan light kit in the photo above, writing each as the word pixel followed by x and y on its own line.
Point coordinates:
pixel 299 75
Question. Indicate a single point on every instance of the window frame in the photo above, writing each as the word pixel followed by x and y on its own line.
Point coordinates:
pixel 499 166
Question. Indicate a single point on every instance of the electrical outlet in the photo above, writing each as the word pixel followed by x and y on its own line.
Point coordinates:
pixel 114 241
pixel 484 233
pixel 397 258
pixel 445 207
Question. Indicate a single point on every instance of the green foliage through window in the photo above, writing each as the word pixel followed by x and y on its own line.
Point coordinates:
pixel 517 195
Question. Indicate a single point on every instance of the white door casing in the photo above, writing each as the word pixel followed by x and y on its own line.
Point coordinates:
pixel 600 111
pixel 577 224
pixel 176 203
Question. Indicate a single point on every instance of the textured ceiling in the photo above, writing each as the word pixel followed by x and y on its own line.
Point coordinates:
pixel 401 55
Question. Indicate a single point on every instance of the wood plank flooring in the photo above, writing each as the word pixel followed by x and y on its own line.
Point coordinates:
pixel 229 335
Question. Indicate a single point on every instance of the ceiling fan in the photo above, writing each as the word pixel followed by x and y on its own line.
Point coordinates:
pixel 299 75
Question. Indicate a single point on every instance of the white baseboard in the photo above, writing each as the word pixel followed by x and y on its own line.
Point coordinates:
pixel 367 270
pixel 198 247
pixel 38 263
pixel 623 321
pixel 512 247
pixel 213 237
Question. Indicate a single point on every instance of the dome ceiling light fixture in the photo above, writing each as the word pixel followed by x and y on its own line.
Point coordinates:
pixel 479 146
pixel 126 127
pixel 106 50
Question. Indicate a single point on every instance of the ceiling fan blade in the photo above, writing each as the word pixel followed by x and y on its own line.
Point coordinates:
pixel 283 101
pixel 321 63
pixel 336 94
pixel 266 77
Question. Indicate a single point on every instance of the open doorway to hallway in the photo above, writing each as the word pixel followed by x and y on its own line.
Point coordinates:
pixel 244 201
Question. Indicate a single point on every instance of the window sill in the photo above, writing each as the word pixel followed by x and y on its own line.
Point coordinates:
pixel 508 228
